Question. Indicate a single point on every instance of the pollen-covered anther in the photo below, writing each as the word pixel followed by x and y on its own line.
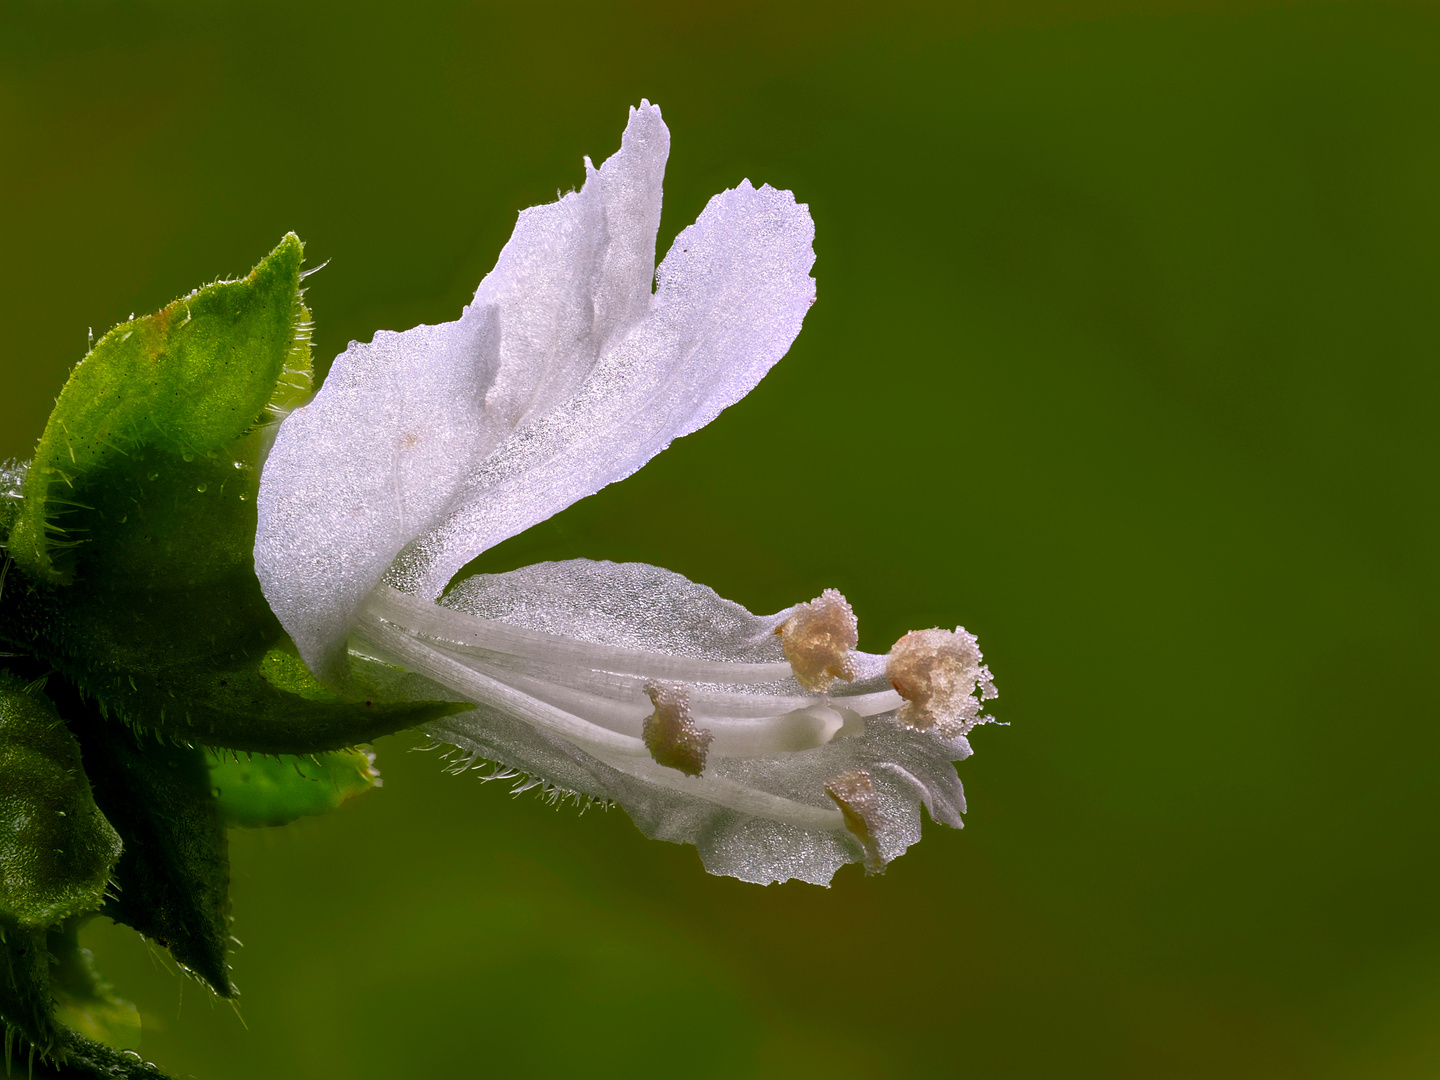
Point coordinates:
pixel 818 640
pixel 854 793
pixel 670 735
pixel 937 673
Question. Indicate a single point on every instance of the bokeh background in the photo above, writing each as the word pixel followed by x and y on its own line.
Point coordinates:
pixel 1125 356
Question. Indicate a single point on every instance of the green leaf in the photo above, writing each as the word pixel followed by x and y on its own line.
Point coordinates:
pixel 134 572
pixel 256 791
pixel 173 877
pixel 57 851
pixel 178 386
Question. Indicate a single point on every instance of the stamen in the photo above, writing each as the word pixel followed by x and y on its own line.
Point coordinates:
pixel 473 632
pixel 483 690
pixel 647 724
pixel 854 793
pixel 936 672
pixel 671 735
pixel 818 640
pixel 742 725
pixel 733 795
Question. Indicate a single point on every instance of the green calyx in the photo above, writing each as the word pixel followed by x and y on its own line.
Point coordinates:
pixel 132 545
pixel 149 698
pixel 184 383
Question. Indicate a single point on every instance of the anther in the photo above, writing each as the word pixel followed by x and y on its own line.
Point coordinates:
pixel 670 734
pixel 937 672
pixel 818 640
pixel 854 793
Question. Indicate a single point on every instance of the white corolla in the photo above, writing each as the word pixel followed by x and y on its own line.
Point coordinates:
pixel 769 743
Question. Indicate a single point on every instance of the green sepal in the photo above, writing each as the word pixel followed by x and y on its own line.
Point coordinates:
pixel 147 469
pixel 184 383
pixel 138 657
pixel 255 791
pixel 57 850
pixel 173 877
pixel 84 1001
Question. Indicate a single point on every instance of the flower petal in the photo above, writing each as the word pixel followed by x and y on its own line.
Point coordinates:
pixel 527 645
pixel 576 275
pixel 381 455
pixel 362 468
pixel 731 296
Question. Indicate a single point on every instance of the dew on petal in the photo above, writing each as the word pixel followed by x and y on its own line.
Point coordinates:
pixel 818 640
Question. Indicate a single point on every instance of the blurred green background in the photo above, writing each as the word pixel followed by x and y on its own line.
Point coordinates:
pixel 1125 356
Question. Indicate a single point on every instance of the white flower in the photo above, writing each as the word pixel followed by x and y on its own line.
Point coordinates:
pixel 621 682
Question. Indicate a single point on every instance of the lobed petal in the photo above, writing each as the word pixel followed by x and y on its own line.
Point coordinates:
pixel 383 453
pixel 731 296
pixel 355 474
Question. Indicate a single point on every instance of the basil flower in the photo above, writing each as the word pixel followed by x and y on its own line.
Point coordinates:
pixel 768 742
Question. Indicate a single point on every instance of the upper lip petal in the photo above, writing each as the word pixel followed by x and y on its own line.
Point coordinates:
pixel 424 448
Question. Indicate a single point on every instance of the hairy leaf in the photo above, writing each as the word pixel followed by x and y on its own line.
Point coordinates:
pixel 57 850
pixel 184 383
pixel 173 877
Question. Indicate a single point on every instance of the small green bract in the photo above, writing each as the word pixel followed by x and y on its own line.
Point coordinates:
pixel 254 790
